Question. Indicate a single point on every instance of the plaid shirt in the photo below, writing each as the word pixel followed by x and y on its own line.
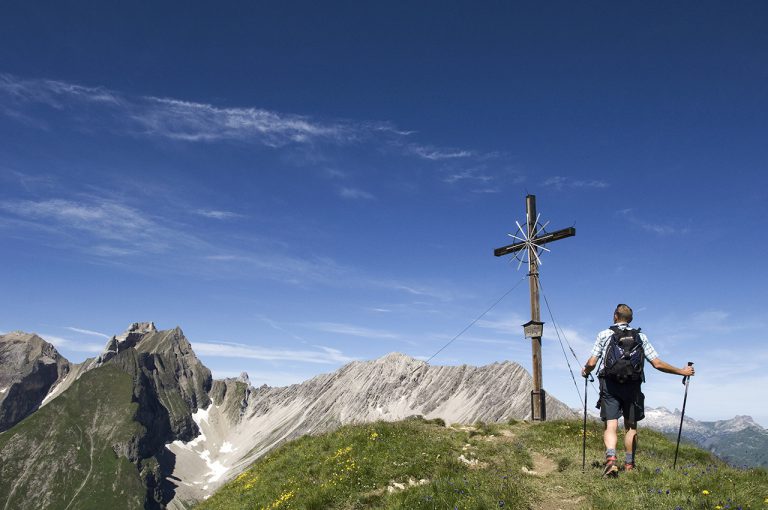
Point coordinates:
pixel 602 342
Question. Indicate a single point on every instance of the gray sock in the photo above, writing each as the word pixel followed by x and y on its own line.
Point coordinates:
pixel 629 458
pixel 610 452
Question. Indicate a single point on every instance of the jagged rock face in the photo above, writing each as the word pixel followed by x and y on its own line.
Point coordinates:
pixel 29 368
pixel 180 380
pixel 178 365
pixel 161 384
pixel 244 423
pixel 126 340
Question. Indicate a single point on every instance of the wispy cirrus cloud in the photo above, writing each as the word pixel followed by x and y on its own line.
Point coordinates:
pixel 355 194
pixel 437 154
pixel 65 343
pixel 322 355
pixel 218 215
pixel 87 332
pixel 175 119
pixel 662 229
pixel 352 330
pixel 475 175
pixel 560 182
pixel 169 118
pixel 114 228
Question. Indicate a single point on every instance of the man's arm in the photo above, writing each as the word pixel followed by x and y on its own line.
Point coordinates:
pixel 663 366
pixel 589 366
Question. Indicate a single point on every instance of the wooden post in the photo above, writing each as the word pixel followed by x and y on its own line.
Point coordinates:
pixel 535 239
pixel 538 404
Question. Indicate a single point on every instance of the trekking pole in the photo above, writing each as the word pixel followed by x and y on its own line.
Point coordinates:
pixel 682 415
pixel 587 378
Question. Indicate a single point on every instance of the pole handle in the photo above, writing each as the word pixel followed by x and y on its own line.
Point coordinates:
pixel 685 377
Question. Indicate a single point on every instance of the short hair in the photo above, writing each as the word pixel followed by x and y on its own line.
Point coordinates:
pixel 623 313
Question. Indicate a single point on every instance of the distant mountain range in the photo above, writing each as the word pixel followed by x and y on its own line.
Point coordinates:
pixel 739 441
pixel 144 425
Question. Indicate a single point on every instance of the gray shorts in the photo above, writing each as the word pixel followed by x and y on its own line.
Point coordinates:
pixel 617 400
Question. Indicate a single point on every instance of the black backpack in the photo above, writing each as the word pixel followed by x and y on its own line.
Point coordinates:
pixel 624 357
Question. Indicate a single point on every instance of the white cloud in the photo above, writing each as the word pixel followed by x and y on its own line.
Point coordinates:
pixel 117 229
pixel 195 122
pixel 663 229
pixel 65 343
pixel 218 215
pixel 436 154
pixel 351 330
pixel 325 355
pixel 87 332
pixel 355 194
pixel 560 182
pixel 471 174
pixel 184 120
pixel 273 378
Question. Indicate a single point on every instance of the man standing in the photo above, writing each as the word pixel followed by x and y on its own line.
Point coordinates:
pixel 624 349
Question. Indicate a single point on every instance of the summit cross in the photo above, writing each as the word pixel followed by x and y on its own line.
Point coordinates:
pixel 528 243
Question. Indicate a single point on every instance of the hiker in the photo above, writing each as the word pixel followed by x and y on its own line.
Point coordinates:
pixel 624 350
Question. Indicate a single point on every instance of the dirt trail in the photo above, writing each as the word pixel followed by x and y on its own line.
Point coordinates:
pixel 554 495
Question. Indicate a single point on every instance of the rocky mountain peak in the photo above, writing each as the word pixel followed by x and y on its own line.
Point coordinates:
pixel 29 367
pixel 129 338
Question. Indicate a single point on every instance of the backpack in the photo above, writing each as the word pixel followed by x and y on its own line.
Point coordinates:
pixel 624 356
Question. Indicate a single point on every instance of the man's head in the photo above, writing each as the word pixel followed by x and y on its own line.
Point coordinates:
pixel 623 313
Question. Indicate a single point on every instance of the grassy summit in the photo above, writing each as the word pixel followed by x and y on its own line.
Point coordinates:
pixel 416 464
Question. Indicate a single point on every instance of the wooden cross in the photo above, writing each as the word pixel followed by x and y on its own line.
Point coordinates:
pixel 533 240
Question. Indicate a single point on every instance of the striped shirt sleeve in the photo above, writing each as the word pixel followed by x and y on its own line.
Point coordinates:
pixel 650 352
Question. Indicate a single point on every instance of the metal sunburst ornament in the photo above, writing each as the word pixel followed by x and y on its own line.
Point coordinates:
pixel 528 242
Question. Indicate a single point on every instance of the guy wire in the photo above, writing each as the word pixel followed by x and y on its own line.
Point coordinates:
pixel 477 319
pixel 554 323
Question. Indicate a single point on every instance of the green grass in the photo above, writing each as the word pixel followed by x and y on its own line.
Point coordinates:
pixel 45 458
pixel 654 484
pixel 355 467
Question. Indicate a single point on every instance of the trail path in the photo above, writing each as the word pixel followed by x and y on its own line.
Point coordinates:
pixel 554 495
pixel 551 483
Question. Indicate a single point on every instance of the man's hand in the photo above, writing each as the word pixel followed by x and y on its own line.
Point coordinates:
pixel 687 371
pixel 589 366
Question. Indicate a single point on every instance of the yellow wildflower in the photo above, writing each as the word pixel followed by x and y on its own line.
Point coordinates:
pixel 705 492
pixel 374 435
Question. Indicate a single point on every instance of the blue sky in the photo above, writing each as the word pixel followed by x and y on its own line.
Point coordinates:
pixel 298 186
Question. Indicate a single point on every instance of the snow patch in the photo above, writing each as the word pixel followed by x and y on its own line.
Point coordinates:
pixel 227 448
pixel 201 416
pixel 217 469
pixel 3 390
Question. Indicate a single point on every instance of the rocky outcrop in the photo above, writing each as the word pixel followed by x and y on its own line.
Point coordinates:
pixel 243 423
pixel 29 368
pixel 129 338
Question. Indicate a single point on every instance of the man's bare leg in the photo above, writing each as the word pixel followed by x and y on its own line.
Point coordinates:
pixel 610 437
pixel 630 441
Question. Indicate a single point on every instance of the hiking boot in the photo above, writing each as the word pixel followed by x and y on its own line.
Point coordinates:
pixel 611 469
pixel 629 467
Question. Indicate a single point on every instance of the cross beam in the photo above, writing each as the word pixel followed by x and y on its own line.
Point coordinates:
pixel 540 240
pixel 534 241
